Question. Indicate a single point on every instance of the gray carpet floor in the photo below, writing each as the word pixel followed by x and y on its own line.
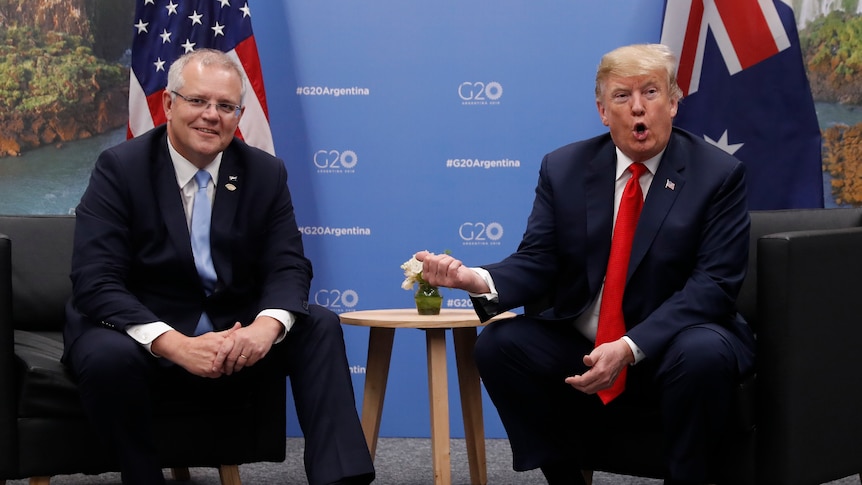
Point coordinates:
pixel 399 461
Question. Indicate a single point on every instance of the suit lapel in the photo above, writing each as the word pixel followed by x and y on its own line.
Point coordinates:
pixel 170 204
pixel 667 183
pixel 227 194
pixel 600 213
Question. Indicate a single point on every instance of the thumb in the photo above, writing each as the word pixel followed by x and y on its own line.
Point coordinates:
pixel 589 361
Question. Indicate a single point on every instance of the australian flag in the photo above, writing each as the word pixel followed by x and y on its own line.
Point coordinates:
pixel 746 91
pixel 166 29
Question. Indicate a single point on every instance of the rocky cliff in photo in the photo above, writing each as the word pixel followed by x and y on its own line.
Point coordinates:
pixel 62 78
pixel 831 44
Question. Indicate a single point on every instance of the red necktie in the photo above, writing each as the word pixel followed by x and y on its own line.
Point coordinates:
pixel 611 323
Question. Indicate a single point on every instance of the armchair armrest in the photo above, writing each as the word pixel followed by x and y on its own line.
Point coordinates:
pixel 8 413
pixel 809 333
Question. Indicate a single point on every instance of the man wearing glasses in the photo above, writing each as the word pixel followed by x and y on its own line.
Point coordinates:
pixel 188 267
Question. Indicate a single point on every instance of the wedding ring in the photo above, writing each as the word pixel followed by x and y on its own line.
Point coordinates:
pixel 242 356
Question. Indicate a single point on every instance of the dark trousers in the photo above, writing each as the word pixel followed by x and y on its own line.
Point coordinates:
pixel 524 361
pixel 116 377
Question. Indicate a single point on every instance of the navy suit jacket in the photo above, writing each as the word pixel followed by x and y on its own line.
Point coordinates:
pixel 133 262
pixel 689 253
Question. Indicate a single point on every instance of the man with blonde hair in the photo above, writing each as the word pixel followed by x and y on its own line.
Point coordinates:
pixel 639 237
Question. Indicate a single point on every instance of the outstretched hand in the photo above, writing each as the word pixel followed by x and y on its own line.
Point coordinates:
pixel 444 270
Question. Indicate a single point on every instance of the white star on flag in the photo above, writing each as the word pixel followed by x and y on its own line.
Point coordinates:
pixel 722 143
pixel 196 18
pixel 188 46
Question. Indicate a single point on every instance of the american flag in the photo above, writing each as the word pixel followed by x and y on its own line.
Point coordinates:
pixel 167 29
pixel 741 70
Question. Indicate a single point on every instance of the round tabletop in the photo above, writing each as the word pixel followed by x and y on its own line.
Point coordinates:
pixel 410 318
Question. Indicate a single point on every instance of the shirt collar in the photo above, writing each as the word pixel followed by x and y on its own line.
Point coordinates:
pixel 186 170
pixel 623 163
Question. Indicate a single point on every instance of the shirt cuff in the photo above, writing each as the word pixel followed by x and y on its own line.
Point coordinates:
pixel 638 353
pixel 146 333
pixel 486 277
pixel 284 317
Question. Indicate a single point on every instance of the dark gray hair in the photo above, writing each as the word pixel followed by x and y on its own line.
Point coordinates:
pixel 206 57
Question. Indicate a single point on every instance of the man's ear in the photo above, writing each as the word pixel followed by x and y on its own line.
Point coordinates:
pixel 167 103
pixel 601 109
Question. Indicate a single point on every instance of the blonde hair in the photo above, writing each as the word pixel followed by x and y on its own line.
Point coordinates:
pixel 638 60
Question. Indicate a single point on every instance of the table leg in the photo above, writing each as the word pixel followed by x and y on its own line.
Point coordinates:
pixel 471 403
pixel 438 394
pixel 376 374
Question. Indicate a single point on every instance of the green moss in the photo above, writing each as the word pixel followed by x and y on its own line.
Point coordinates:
pixel 50 70
pixel 832 49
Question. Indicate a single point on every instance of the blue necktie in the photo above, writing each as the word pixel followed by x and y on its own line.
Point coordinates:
pixel 200 236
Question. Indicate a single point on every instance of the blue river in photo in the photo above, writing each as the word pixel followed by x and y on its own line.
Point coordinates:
pixel 50 179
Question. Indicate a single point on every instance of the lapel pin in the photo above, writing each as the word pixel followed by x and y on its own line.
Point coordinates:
pixel 230 187
pixel 669 185
pixel 232 178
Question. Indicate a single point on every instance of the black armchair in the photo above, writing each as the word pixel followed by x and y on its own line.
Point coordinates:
pixel 43 428
pixel 799 419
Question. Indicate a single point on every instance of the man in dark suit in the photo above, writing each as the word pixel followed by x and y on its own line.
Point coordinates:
pixel 141 310
pixel 682 343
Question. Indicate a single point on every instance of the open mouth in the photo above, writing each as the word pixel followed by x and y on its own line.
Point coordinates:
pixel 640 131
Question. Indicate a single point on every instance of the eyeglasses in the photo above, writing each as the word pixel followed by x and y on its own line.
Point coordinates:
pixel 203 105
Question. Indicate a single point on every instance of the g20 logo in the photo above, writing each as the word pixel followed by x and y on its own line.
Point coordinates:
pixel 479 91
pixel 480 231
pixel 336 299
pixel 334 159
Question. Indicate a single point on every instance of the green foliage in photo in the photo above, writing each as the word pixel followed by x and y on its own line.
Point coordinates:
pixel 50 70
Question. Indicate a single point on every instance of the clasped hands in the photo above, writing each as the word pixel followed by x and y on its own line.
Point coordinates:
pixel 605 362
pixel 215 354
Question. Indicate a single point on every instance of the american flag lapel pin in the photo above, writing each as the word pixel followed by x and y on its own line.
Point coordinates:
pixel 669 185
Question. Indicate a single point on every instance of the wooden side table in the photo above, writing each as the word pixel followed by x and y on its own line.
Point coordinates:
pixel 463 323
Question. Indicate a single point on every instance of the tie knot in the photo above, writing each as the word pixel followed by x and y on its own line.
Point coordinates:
pixel 202 178
pixel 637 169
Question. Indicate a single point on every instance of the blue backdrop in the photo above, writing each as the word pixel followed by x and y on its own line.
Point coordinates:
pixel 411 125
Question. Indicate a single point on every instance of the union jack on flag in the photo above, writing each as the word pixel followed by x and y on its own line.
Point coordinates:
pixel 745 31
pixel 167 29
pixel 746 91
